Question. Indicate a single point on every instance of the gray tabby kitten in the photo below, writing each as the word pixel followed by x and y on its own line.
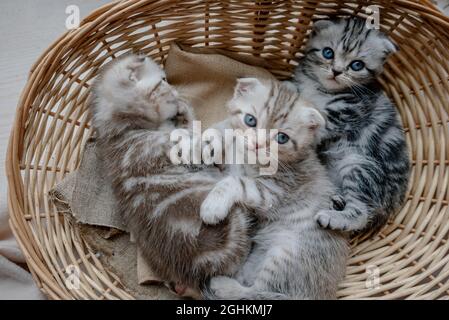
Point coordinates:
pixel 363 143
pixel 292 257
pixel 134 112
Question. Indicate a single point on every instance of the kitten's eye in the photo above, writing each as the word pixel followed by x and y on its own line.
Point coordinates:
pixel 164 79
pixel 282 138
pixel 328 53
pixel 250 120
pixel 357 65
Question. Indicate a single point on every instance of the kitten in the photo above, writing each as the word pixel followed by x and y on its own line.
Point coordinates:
pixel 363 143
pixel 292 257
pixel 134 112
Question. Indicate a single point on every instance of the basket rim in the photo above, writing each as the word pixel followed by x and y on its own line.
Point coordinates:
pixel 100 16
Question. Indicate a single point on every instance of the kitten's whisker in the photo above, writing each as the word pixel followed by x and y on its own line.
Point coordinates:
pixel 361 89
pixel 286 167
pixel 355 88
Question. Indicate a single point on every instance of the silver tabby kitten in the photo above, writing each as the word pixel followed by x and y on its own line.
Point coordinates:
pixel 363 143
pixel 134 112
pixel 292 257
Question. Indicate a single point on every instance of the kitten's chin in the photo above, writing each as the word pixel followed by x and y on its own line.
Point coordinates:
pixel 332 85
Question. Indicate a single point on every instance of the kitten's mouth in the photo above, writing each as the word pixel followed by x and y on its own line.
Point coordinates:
pixel 333 82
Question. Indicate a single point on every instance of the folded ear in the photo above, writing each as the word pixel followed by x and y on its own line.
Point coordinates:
pixel 245 86
pixel 320 25
pixel 389 47
pixel 313 118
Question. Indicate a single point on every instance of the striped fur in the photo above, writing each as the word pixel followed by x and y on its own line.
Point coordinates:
pixel 363 144
pixel 292 258
pixel 133 113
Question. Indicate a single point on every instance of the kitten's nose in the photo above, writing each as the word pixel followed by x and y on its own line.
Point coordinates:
pixel 255 145
pixel 336 72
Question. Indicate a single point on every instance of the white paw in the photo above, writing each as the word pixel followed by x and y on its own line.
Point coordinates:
pixel 185 115
pixel 323 219
pixel 214 208
pixel 184 147
pixel 225 287
pixel 208 153
pixel 338 202
pixel 340 220
pixel 331 219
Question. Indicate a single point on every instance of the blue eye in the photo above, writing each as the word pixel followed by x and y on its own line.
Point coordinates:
pixel 250 121
pixel 328 53
pixel 282 138
pixel 357 65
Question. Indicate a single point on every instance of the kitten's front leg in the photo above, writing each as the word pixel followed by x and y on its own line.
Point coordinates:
pixel 185 115
pixel 360 178
pixel 260 194
pixel 338 202
pixel 352 218
pixel 220 200
pixel 328 218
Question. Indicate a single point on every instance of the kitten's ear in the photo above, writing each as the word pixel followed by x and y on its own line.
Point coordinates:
pixel 245 86
pixel 133 75
pixel 389 47
pixel 134 63
pixel 321 25
pixel 313 118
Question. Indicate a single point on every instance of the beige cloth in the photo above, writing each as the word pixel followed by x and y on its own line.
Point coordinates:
pixel 206 80
pixel 88 191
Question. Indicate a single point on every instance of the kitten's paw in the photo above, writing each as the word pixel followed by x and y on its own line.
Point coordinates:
pixel 219 201
pixel 213 153
pixel 345 220
pixel 225 288
pixel 187 150
pixel 180 152
pixel 214 208
pixel 185 116
pixel 338 202
pixel 208 153
pixel 330 219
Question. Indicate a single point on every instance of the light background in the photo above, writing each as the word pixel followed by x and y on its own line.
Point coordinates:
pixel 27 28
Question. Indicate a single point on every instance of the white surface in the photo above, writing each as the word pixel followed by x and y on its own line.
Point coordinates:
pixel 27 28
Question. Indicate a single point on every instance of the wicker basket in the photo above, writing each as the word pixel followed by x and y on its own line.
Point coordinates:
pixel 410 255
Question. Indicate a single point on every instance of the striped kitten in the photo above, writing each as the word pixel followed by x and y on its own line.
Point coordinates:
pixel 292 257
pixel 134 111
pixel 363 143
